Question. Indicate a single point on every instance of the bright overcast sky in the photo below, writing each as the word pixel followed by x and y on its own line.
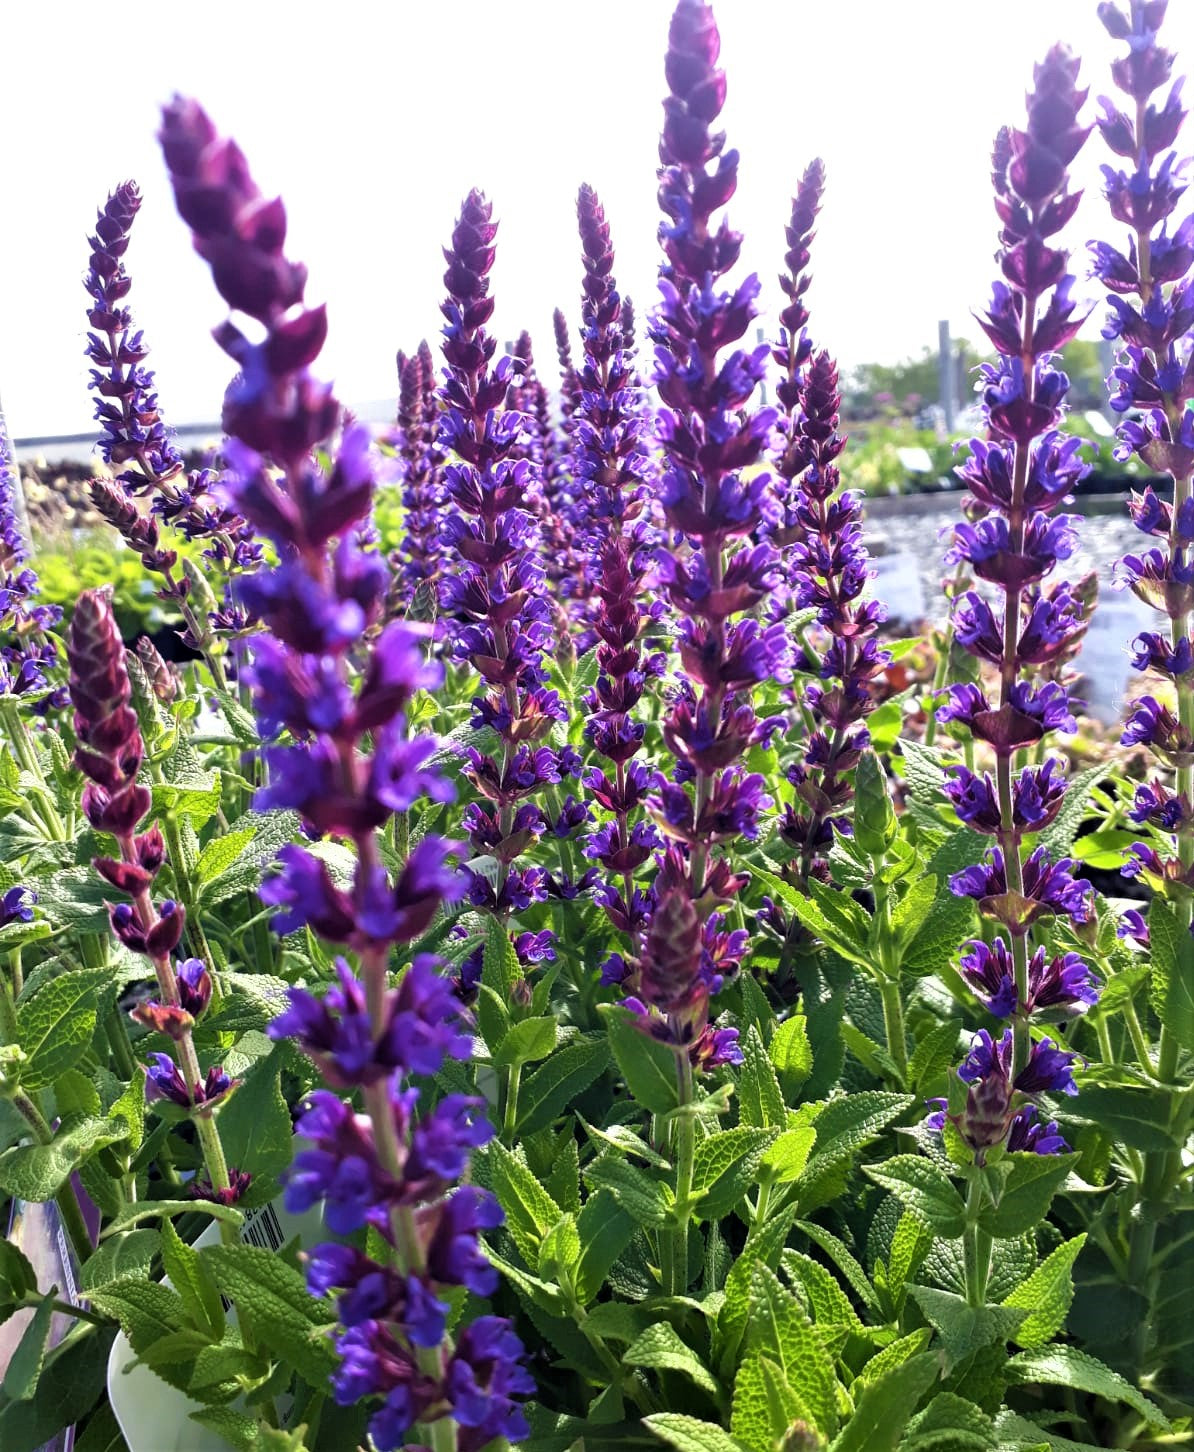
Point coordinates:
pixel 373 120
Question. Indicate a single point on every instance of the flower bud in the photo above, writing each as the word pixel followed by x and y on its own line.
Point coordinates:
pixel 875 825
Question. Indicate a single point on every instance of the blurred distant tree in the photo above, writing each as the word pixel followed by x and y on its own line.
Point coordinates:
pixel 876 389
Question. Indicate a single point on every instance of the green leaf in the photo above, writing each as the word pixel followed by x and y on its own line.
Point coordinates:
pixel 688 1434
pixel 272 1301
pixel 788 1154
pixel 17 1276
pixel 886 1405
pixel 1027 1193
pixel 551 1089
pixel 830 1304
pixel 559 1250
pixel 765 1405
pixel 1069 1367
pixel 725 1167
pixel 648 1066
pixel 1171 988
pixel 605 1231
pixel 1133 1115
pixel 500 967
pixel 763 1246
pixel 239 1431
pixel 643 1199
pixel 272 831
pixel 950 920
pixel 526 1041
pixel 760 1100
pixel 777 1326
pixel 910 1244
pixel 950 1423
pixel 190 1279
pixel 75 1096
pixel 936 1052
pixel 1059 836
pixel 38 1172
pixel 895 1354
pixel 839 936
pixel 156 1209
pixel 925 1190
pixel 911 912
pixel 198 804
pixel 71 1383
pixel 146 1310
pixel 1046 1295
pixel 255 1125
pixel 124 1256
pixel 1105 850
pixel 221 852
pixel 25 1364
pixel 56 1025
pixel 660 1348
pixel 845 1262
pixel 790 1050
pixel 964 1328
pixel 530 1210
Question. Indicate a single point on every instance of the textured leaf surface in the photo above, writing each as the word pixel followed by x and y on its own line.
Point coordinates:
pixel 660 1347
pixel 688 1434
pixel 924 1189
pixel 1046 1295
pixel 1067 1366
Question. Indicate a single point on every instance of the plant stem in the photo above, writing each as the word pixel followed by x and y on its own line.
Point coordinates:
pixel 66 1199
pixel 976 1246
pixel 674 1267
pixel 510 1117
pixel 893 1025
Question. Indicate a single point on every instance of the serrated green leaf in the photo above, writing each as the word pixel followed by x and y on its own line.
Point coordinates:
pixel 72 1381
pixel 146 1310
pixel 530 1210
pixel 760 1100
pixel 1046 1295
pixel 765 1405
pixel 895 1354
pixel 526 1041
pixel 197 803
pixel 787 1155
pixel 643 1199
pixel 688 1434
pixel 950 920
pixel 25 1364
pixel 845 1262
pixel 909 1246
pixel 763 1246
pixel 552 1088
pixel 255 1125
pixel 934 1054
pixel 1069 1367
pixel 950 1423
pixel 964 1328
pixel 1058 837
pixel 271 1299
pixel 38 1172
pixel 1171 989
pixel 273 831
pixel 648 1066
pixel 925 1190
pixel 559 1249
pixel 830 1304
pixel 777 1326
pixel 660 1348
pixel 1027 1193
pixel 883 1410
pixel 221 852
pixel 790 1050
pixel 842 938
pixel 123 1257
pixel 239 1431
pixel 190 1279
pixel 605 1231
pixel 724 1169
pixel 17 1276
pixel 911 912
pixel 56 1025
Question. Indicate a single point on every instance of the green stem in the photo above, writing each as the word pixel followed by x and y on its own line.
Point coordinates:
pixel 1139 1042
pixel 66 1199
pixel 26 754
pixel 510 1118
pixel 674 1259
pixel 893 1025
pixel 976 1246
pixel 889 975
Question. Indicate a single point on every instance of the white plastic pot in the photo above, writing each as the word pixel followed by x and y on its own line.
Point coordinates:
pixel 156 1417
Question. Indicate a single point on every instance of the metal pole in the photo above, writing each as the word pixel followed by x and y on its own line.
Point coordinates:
pixel 945 373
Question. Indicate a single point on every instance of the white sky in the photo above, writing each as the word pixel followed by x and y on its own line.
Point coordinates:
pixel 373 120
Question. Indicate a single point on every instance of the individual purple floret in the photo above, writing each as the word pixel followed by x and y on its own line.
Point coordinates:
pixel 342 685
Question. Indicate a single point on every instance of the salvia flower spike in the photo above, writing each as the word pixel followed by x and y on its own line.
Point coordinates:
pixel 1150 292
pixel 349 766
pixel 1018 479
pixel 27 649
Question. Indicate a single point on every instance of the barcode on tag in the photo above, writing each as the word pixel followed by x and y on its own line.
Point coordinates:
pixel 261 1229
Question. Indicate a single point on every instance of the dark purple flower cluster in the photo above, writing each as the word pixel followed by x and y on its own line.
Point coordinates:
pixel 1151 295
pixel 1013 539
pixel 135 440
pixel 609 466
pixel 350 765
pixel 495 581
pixel 418 556
pixel 109 752
pixel 829 571
pixel 711 498
pixel 27 651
